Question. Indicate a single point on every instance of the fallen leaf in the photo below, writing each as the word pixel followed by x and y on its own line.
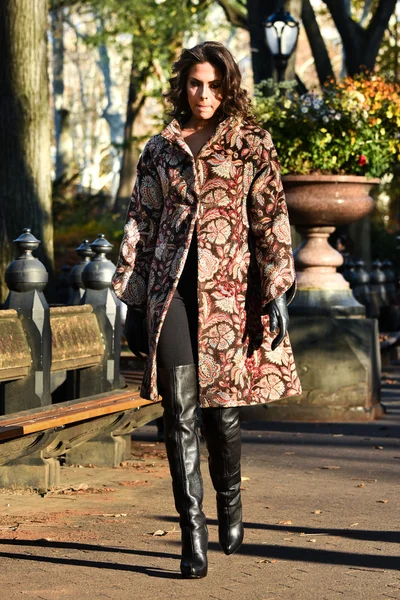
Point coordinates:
pixel 383 501
pixel 82 486
pixel 361 485
pixel 159 532
pixel 116 515
pixel 288 539
pixel 353 524
pixel 312 540
pixel 285 523
pixel 377 447
pixel 245 479
pixel 318 511
pixel 266 560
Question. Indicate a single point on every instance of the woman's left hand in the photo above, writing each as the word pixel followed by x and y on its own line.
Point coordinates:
pixel 278 318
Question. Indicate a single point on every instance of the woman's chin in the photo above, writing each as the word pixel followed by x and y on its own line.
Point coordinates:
pixel 204 113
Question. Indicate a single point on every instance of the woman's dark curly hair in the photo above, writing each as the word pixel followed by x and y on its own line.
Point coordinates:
pixel 235 100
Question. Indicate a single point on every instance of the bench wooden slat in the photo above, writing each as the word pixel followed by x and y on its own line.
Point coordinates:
pixel 87 402
pixel 58 410
pixel 34 420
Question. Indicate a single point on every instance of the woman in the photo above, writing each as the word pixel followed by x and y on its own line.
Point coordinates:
pixel 206 257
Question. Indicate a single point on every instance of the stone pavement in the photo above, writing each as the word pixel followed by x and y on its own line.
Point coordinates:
pixel 321 510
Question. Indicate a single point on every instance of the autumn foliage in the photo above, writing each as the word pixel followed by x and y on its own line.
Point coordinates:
pixel 351 127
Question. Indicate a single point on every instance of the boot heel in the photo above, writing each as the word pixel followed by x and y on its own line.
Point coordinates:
pixel 194 552
pixel 194 563
pixel 195 567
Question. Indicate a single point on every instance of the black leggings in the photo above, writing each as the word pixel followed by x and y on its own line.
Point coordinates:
pixel 177 344
pixel 178 339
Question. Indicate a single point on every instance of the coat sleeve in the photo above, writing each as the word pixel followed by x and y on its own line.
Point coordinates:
pixel 140 235
pixel 270 227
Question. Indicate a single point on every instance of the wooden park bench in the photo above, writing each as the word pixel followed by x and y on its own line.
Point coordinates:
pixel 94 428
pixel 39 436
pixel 61 390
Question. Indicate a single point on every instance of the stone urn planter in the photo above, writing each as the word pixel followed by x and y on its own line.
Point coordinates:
pixel 317 204
pixel 336 347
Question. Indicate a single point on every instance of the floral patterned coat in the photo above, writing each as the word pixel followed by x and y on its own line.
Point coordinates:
pixel 232 193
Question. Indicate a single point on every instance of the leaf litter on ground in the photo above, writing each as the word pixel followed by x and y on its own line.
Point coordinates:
pixel 162 532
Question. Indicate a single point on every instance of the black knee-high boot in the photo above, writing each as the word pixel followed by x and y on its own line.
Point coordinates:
pixel 221 430
pixel 179 390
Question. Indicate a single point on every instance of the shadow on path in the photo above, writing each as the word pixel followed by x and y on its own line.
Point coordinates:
pixel 300 554
pixel 151 571
pixel 356 534
pixel 331 557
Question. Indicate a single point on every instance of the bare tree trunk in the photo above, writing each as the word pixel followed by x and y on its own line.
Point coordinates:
pixel 136 99
pixel 57 31
pixel 294 8
pixel 25 164
pixel 112 115
pixel 258 11
pixel 317 44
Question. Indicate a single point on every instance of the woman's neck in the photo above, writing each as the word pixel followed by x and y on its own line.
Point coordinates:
pixel 200 124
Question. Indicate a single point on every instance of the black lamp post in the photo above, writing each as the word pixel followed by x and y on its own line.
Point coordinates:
pixel 281 33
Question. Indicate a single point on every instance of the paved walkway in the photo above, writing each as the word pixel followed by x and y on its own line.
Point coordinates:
pixel 321 509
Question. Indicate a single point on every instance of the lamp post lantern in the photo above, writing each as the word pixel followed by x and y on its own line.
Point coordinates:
pixel 281 33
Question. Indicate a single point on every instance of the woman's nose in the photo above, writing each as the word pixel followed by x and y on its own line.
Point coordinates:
pixel 204 91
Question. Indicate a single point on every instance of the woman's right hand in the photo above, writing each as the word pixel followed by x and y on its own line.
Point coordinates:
pixel 135 331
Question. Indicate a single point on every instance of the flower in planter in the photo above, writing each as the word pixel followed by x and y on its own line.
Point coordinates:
pixel 349 128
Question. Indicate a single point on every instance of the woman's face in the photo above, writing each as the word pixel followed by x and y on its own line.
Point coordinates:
pixel 204 90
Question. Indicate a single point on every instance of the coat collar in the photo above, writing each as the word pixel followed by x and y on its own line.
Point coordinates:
pixel 173 131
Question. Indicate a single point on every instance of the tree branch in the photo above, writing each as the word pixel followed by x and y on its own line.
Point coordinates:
pixel 345 25
pixel 352 35
pixel 376 29
pixel 317 44
pixel 57 4
pixel 236 12
pixel 360 45
pixel 366 10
